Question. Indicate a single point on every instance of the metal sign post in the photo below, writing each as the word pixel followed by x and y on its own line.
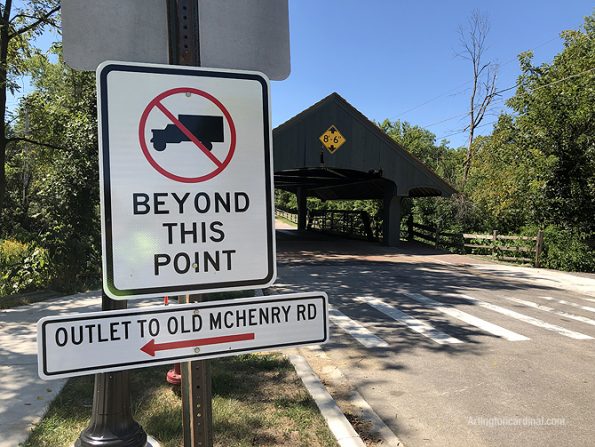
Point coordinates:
pixel 197 386
pixel 197 398
pixel 197 408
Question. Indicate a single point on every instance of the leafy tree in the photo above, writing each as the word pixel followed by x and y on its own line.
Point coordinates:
pixel 61 212
pixel 554 132
pixel 416 140
pixel 422 144
pixel 18 26
pixel 537 170
pixel 454 213
pixel 505 183
pixel 285 200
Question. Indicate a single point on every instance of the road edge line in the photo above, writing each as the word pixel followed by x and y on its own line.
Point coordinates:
pixel 341 428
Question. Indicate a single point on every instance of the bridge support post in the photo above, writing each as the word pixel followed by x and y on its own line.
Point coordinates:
pixel 302 205
pixel 392 218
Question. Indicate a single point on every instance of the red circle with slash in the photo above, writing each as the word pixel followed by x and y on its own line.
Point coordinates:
pixel 157 104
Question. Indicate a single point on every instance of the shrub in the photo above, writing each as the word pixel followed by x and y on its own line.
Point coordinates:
pixel 566 250
pixel 23 267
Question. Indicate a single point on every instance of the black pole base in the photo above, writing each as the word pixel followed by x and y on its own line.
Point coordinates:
pixel 112 440
pixel 111 423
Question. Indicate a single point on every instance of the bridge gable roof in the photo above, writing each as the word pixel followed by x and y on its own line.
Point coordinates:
pixel 367 150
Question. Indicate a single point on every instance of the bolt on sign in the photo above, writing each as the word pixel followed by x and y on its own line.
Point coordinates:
pixel 186 180
pixel 96 342
pixel 332 139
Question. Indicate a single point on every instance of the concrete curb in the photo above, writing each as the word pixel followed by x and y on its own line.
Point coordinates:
pixel 379 428
pixel 344 433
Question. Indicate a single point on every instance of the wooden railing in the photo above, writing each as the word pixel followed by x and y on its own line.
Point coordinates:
pixel 512 248
pixel 290 215
pixel 507 247
pixel 357 224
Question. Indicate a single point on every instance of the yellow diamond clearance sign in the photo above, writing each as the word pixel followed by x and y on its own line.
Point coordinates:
pixel 332 139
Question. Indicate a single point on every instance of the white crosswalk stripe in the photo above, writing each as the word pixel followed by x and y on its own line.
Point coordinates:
pixel 467 318
pixel 568 303
pixel 525 318
pixel 552 310
pixel 356 330
pixel 369 340
pixel 419 326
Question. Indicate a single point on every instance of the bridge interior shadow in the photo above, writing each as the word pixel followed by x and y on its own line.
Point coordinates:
pixel 316 248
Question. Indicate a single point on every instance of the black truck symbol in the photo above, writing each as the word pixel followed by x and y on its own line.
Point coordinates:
pixel 207 129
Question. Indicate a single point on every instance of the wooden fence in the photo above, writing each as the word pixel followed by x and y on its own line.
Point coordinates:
pixel 288 215
pixel 356 224
pixel 359 225
pixel 525 249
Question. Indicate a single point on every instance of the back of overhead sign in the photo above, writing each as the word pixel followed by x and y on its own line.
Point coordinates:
pixel 239 34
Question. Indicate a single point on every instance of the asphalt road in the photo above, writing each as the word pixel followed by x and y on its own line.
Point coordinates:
pixel 450 350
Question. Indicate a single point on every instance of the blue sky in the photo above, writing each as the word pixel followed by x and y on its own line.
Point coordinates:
pixel 397 59
pixel 388 57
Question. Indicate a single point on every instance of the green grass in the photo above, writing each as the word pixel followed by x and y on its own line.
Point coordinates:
pixel 258 400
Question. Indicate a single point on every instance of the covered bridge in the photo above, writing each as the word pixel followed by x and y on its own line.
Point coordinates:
pixel 355 161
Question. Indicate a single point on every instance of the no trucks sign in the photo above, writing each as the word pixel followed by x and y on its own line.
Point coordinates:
pixel 186 180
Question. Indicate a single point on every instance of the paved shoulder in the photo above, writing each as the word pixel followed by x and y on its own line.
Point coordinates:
pixel 24 397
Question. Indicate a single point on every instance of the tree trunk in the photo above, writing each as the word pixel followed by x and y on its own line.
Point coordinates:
pixel 484 80
pixel 469 156
pixel 4 41
pixel 41 18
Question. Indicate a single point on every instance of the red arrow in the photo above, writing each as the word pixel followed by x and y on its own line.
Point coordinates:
pixel 151 347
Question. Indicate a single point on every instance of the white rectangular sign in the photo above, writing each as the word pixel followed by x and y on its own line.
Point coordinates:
pixel 244 34
pixel 80 344
pixel 186 180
